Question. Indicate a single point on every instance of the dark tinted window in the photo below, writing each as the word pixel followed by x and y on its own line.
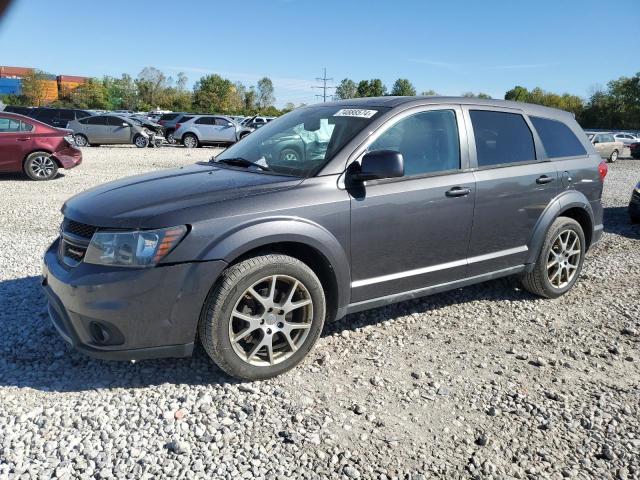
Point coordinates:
pixel 186 118
pixel 428 142
pixel 168 116
pixel 99 120
pixel 116 121
pixel 501 138
pixel 206 121
pixel 67 115
pixel 84 121
pixel 25 127
pixel 82 114
pixel 47 115
pixel 222 122
pixel 9 125
pixel 557 138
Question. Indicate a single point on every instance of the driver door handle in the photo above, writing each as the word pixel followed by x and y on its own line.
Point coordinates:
pixel 23 139
pixel 542 179
pixel 458 192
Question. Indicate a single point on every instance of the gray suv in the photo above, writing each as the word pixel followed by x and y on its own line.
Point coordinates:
pixel 388 199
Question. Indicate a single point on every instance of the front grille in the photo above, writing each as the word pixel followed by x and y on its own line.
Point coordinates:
pixel 79 229
pixel 74 241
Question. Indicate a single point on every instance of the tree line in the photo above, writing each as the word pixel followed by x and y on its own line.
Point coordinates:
pixel 615 106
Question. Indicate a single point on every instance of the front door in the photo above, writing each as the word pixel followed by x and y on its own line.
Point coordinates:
pixel 119 131
pixel 412 232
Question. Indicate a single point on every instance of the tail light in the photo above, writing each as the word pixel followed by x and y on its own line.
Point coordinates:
pixel 178 125
pixel 603 169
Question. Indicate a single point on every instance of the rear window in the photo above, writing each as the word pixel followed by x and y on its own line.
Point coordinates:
pixel 557 138
pixel 169 116
pixel 25 127
pixel 185 119
pixel 501 138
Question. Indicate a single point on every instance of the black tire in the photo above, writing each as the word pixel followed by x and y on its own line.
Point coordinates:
pixel 613 157
pixel 81 140
pixel 170 138
pixel 40 166
pixel 289 155
pixel 215 320
pixel 141 141
pixel 189 140
pixel 537 281
pixel 157 143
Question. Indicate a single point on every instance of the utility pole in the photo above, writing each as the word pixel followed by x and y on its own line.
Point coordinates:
pixel 324 86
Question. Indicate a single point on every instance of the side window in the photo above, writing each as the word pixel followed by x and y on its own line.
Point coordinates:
pixel 223 122
pixel 608 138
pixel 185 118
pixel 115 121
pixel 67 115
pixel 9 125
pixel 501 138
pixel 205 121
pixel 81 114
pixel 47 115
pixel 428 142
pixel 25 127
pixel 557 138
pixel 100 120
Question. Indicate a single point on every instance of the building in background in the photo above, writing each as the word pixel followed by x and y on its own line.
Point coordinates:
pixel 53 86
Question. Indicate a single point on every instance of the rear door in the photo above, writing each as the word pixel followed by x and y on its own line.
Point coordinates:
pixel 14 143
pixel 514 184
pixel 207 129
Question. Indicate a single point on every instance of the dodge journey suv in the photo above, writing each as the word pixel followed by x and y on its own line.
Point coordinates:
pixel 388 199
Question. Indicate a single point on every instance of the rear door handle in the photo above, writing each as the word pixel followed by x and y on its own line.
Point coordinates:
pixel 458 192
pixel 23 139
pixel 544 179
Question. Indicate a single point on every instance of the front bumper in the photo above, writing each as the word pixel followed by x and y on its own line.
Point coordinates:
pixel 127 314
pixel 69 157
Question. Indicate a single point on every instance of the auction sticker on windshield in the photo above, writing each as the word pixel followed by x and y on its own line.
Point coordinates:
pixel 355 112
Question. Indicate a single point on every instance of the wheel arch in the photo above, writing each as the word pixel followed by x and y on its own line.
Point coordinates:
pixel 46 150
pixel 306 241
pixel 572 204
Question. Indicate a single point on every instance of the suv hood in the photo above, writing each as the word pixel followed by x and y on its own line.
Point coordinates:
pixel 143 200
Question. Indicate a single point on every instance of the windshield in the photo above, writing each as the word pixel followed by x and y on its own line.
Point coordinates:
pixel 303 141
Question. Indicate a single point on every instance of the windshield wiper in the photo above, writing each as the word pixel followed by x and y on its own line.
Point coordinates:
pixel 242 162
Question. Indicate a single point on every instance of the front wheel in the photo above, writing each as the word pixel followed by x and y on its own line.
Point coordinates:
pixel 263 316
pixel 80 140
pixel 190 140
pixel 613 157
pixel 40 166
pixel 170 138
pixel 560 261
pixel 141 141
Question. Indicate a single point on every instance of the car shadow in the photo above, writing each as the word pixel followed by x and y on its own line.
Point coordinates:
pixel 33 355
pixel 21 177
pixel 617 221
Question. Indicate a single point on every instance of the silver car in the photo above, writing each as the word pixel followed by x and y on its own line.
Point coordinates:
pixel 112 129
pixel 209 130
pixel 626 138
pixel 606 145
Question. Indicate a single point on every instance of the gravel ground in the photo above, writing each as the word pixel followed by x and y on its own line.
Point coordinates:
pixel 481 382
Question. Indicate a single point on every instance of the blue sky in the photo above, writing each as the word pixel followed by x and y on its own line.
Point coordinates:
pixel 450 46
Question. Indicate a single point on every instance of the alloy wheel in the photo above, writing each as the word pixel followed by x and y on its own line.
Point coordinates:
pixel 42 166
pixel 289 155
pixel 563 259
pixel 271 320
pixel 141 141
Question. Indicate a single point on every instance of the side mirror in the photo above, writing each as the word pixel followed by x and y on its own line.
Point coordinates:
pixel 379 164
pixel 125 124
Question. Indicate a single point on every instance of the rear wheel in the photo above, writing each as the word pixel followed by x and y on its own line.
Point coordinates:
pixel 613 157
pixel 80 140
pixel 263 316
pixel 140 141
pixel 40 166
pixel 170 138
pixel 560 261
pixel 190 140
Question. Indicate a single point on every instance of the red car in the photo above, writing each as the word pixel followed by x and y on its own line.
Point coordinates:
pixel 32 147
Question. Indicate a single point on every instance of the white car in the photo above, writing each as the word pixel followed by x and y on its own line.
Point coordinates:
pixel 209 130
pixel 626 138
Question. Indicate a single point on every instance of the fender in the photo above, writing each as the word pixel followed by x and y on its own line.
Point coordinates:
pixel 261 232
pixel 563 202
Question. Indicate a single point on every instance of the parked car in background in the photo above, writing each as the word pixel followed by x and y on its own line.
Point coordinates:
pixel 634 148
pixel 169 122
pixel 123 112
pixel 35 148
pixel 606 145
pixel 112 130
pixel 55 117
pixel 408 197
pixel 209 130
pixel 626 138
pixel 256 121
pixel 634 204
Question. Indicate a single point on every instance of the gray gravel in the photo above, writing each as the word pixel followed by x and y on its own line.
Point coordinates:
pixel 482 382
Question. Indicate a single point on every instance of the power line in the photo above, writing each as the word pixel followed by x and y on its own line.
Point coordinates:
pixel 324 86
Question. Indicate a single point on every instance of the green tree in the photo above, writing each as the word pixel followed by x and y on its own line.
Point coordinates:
pixel 403 87
pixel 429 93
pixel 212 93
pixel 476 95
pixel 33 88
pixel 265 93
pixel 346 89
pixel 371 88
pixel 250 100
pixel 517 93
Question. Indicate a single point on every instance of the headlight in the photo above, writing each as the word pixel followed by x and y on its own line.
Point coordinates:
pixel 141 248
pixel 70 139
